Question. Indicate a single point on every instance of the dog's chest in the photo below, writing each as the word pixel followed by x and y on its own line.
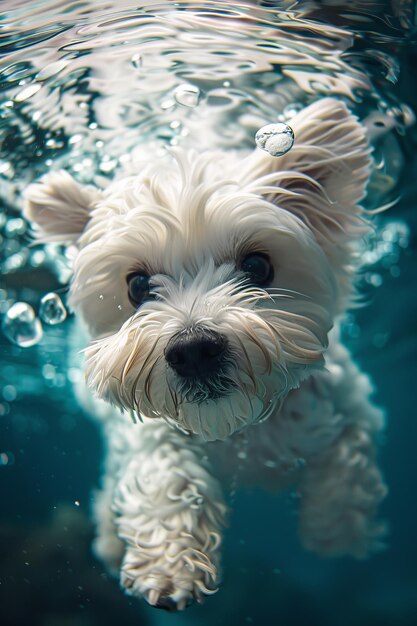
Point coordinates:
pixel 307 422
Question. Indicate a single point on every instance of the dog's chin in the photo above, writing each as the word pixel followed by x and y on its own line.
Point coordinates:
pixel 219 418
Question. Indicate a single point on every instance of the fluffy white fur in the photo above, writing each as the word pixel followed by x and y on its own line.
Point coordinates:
pixel 290 394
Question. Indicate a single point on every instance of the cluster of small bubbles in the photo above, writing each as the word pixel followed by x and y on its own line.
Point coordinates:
pixel 187 95
pixel 6 458
pixel 383 250
pixel 52 377
pixel 276 139
pixel 17 254
pixel 15 226
pixel 24 143
pixel 21 326
pixel 14 254
pixel 51 309
pixel 374 279
pixel 108 164
pixel 57 259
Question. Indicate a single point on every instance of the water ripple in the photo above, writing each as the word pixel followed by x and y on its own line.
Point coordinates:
pixel 93 86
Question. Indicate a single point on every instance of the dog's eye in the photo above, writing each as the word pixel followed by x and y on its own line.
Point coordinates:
pixel 258 268
pixel 138 288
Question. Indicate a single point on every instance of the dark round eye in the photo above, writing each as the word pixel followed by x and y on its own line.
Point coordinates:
pixel 138 288
pixel 258 268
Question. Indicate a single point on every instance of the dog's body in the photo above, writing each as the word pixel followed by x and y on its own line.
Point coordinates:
pixel 209 286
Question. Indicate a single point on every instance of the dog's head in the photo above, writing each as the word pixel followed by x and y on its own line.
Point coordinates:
pixel 209 282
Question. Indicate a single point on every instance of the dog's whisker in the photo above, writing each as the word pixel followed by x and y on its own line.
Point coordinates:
pixel 247 364
pixel 277 291
pixel 147 383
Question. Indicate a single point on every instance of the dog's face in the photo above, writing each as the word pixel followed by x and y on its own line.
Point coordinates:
pixel 209 283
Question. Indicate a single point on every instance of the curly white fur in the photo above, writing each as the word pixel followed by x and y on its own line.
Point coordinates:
pixel 288 388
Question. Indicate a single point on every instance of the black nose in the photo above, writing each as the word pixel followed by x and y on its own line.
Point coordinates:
pixel 196 353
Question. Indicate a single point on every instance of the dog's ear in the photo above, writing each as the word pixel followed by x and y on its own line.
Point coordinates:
pixel 58 207
pixel 323 178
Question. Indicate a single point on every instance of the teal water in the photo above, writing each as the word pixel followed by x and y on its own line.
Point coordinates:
pixel 90 86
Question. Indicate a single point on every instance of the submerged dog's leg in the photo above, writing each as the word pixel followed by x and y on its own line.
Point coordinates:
pixel 169 512
pixel 341 486
pixel 340 493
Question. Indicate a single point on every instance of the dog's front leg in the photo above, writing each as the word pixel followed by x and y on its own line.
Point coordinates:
pixel 340 491
pixel 170 512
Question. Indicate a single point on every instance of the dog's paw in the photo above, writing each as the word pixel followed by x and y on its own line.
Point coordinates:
pixel 172 586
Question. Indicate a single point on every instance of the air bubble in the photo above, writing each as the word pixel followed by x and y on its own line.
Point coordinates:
pixel 9 393
pixel 14 262
pixel 37 258
pixel 276 139
pixel 291 110
pixel 54 144
pixel 51 309
pixel 15 226
pixel 187 95
pixel 6 458
pixel 75 138
pixel 136 60
pixel 21 326
pixel 374 279
pixel 5 167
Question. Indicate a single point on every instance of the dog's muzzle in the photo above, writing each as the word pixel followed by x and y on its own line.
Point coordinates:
pixel 196 353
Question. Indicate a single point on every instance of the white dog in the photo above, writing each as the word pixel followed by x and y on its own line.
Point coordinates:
pixel 209 284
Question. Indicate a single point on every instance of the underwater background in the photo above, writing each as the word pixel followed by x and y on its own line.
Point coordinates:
pixel 94 87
